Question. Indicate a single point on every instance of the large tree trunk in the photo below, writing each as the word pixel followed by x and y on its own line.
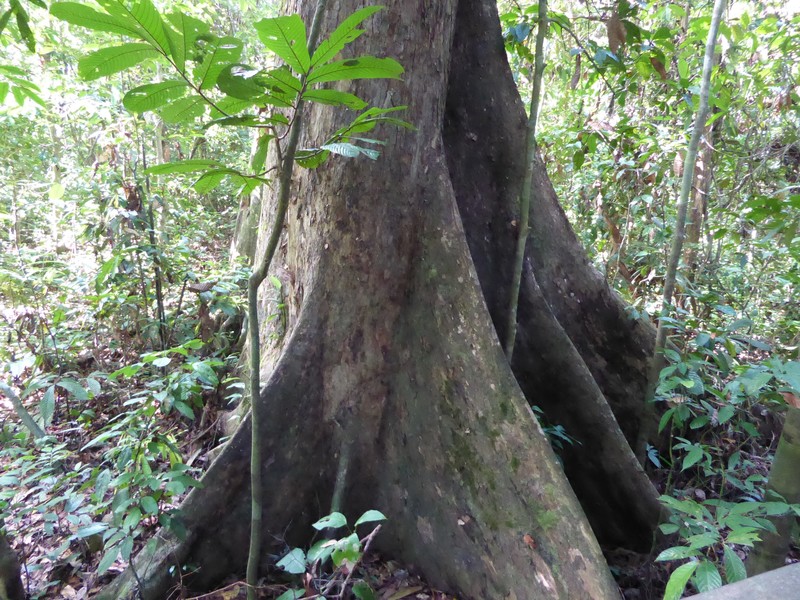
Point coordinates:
pixel 578 356
pixel 395 271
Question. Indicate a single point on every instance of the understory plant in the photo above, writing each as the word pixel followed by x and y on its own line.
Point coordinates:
pixel 211 79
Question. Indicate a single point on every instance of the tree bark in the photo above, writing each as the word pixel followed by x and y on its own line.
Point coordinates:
pixel 10 581
pixel 396 274
pixel 578 355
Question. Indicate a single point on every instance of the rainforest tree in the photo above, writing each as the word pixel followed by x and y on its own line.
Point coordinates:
pixel 387 385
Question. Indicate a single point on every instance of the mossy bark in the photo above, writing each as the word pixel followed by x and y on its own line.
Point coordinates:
pixel 784 486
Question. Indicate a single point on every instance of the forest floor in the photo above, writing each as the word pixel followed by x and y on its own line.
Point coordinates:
pixel 59 564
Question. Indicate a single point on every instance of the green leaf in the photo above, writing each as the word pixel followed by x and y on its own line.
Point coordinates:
pixel 126 548
pixel 47 407
pixel 143 15
pixel 694 456
pixel 109 558
pixel 241 81
pixel 734 567
pixel 218 54
pixel 362 591
pixel 184 409
pixel 320 551
pixel 363 67
pixel 293 594
pixel 678 580
pixel 184 166
pixel 162 361
pixel 311 159
pixel 74 388
pixel 677 553
pixel 84 16
pixel 294 562
pixel 23 26
pixel 153 95
pixel 91 529
pixel 249 121
pixel 577 159
pixel 149 505
pixel 286 37
pixel 790 373
pixel 370 516
pixel 113 59
pixel 182 41
pixel 205 373
pixel 183 110
pixel 259 158
pixel 335 98
pixel 347 550
pixel 332 521
pixel 350 150
pixel 346 32
pixel 707 577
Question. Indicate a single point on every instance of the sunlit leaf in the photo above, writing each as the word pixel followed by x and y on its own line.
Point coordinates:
pixel 153 95
pixel 219 53
pixel 346 32
pixel 286 37
pixel 85 16
pixel 113 59
pixel 734 567
pixel 370 517
pixel 707 577
pixel 183 110
pixel 294 562
pixel 332 521
pixel 678 580
pixel 142 15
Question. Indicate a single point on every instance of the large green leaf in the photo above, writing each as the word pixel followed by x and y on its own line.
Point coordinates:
pixel 707 577
pixel 362 67
pixel 182 39
pixel 113 59
pixel 346 32
pixel 152 95
pixel 184 166
pixel 286 37
pixel 335 98
pixel 219 53
pixel 241 81
pixel 143 15
pixel 85 16
pixel 183 110
pixel 678 580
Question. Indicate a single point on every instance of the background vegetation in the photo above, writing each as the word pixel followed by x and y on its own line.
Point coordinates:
pixel 120 309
